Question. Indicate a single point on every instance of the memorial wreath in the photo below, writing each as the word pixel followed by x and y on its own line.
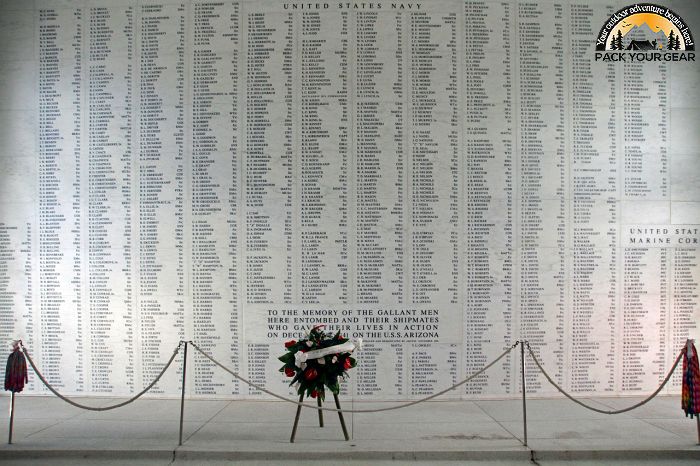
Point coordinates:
pixel 318 361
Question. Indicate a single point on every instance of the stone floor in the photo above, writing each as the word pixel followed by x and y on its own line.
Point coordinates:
pixel 257 432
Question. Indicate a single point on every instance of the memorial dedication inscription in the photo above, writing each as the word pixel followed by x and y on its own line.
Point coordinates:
pixel 439 178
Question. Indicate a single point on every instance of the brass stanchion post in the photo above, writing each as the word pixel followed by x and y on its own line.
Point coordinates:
pixel 522 374
pixel 12 416
pixel 182 396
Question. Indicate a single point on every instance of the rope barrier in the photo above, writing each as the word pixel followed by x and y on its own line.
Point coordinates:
pixel 404 405
pixel 104 408
pixel 377 410
pixel 592 408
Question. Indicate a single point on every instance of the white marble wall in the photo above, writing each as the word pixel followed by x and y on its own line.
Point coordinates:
pixel 441 178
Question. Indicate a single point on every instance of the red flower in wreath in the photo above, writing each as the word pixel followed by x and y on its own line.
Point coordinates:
pixel 314 393
pixel 310 374
pixel 289 372
pixel 290 343
pixel 347 364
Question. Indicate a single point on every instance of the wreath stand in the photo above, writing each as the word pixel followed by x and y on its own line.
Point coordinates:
pixel 320 417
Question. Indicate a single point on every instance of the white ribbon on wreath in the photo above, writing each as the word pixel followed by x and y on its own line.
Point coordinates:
pixel 300 358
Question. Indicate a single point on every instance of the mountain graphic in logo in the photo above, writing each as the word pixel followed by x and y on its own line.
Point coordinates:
pixel 645 27
pixel 643 38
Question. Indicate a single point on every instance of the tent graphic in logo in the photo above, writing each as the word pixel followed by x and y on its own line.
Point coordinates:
pixel 645 27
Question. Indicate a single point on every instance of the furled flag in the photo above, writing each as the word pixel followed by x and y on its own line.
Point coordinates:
pixel 16 370
pixel 690 395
